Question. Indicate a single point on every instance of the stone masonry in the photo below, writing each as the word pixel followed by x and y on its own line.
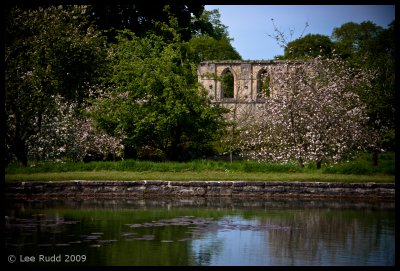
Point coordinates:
pixel 247 77
pixel 190 189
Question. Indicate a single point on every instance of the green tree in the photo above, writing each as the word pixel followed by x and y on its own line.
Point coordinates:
pixel 315 116
pixel 48 51
pixel 354 40
pixel 227 85
pixel 154 100
pixel 205 48
pixel 363 45
pixel 140 18
pixel 311 45
pixel 370 46
pixel 209 24
pixel 211 39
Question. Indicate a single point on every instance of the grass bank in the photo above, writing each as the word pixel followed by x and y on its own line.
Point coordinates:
pixel 359 169
pixel 198 176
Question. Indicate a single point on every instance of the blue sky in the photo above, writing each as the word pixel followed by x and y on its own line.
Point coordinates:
pixel 250 25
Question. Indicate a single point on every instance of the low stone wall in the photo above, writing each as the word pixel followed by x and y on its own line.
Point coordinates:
pixel 184 189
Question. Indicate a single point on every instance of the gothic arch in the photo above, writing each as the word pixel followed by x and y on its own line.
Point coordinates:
pixel 246 75
pixel 263 83
pixel 227 84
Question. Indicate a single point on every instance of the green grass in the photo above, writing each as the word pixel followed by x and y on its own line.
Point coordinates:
pixel 197 176
pixel 359 169
pixel 362 164
pixel 139 166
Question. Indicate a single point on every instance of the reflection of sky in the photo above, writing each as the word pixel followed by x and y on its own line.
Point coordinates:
pixel 225 246
pixel 233 247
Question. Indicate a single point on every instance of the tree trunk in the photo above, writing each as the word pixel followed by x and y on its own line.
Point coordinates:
pixel 319 164
pixel 375 157
pixel 21 152
pixel 301 164
pixel 174 152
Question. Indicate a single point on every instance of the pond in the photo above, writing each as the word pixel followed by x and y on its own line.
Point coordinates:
pixel 199 232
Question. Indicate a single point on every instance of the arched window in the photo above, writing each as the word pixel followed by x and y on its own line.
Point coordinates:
pixel 263 89
pixel 227 84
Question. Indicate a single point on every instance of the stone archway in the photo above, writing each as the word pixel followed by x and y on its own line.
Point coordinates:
pixel 263 84
pixel 227 85
pixel 247 78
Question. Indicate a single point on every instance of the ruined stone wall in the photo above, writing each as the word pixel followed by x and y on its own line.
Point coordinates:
pixel 247 74
pixel 246 78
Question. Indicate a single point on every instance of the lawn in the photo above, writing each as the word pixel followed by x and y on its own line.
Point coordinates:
pixel 359 169
pixel 197 176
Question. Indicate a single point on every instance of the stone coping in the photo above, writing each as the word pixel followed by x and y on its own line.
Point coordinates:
pixel 160 188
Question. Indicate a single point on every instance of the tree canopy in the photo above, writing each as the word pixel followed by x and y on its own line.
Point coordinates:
pixel 56 57
pixel 364 45
pixel 154 100
pixel 314 116
pixel 353 39
pixel 48 51
pixel 373 47
pixel 211 40
pixel 140 18
pixel 311 45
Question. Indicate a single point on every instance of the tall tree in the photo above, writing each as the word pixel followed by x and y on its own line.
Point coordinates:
pixel 211 39
pixel 313 116
pixel 209 24
pixel 154 100
pixel 354 40
pixel 311 45
pixel 370 46
pixel 363 45
pixel 205 48
pixel 48 51
pixel 140 18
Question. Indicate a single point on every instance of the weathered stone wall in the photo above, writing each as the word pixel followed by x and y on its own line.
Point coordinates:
pixel 245 104
pixel 246 78
pixel 152 189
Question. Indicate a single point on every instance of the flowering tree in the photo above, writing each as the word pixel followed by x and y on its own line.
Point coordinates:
pixel 65 134
pixel 363 45
pixel 313 115
pixel 48 51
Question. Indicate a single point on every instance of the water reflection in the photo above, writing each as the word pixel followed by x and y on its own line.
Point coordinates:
pixel 203 232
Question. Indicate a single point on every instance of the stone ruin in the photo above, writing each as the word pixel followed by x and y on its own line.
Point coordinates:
pixel 248 77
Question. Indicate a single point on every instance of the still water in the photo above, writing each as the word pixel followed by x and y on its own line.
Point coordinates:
pixel 206 232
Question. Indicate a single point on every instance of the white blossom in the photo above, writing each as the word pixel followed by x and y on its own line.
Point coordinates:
pixel 314 116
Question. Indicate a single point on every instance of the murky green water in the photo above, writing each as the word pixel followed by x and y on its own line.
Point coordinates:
pixel 199 232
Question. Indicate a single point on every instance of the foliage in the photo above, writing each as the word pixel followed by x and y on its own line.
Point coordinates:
pixel 311 45
pixel 227 85
pixel 205 48
pixel 354 39
pixel 264 87
pixel 211 41
pixel 140 18
pixel 313 116
pixel 362 45
pixel 153 100
pixel 370 46
pixel 47 52
pixel 66 135
pixel 209 24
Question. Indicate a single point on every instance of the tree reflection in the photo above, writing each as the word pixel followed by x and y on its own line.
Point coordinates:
pixel 332 237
